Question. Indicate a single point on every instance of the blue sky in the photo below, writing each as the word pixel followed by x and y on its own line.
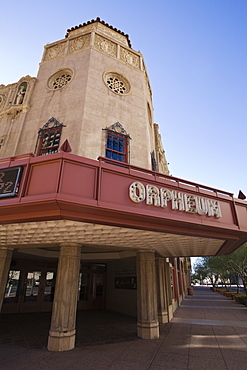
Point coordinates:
pixel 196 56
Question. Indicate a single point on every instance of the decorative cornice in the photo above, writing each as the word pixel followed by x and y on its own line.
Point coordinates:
pixel 102 22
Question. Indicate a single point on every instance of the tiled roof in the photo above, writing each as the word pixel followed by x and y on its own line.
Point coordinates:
pixel 102 22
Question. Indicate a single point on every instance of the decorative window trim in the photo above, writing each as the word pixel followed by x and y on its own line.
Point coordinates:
pixel 116 83
pixel 60 79
pixel 50 133
pixel 118 137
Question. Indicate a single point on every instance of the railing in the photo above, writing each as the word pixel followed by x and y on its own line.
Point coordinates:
pixel 164 176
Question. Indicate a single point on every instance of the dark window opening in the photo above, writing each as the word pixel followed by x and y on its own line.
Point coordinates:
pixel 49 141
pixel 49 137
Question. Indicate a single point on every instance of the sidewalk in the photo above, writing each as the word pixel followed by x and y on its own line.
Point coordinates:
pixel 209 331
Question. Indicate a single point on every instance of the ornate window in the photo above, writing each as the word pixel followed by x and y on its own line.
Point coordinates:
pixel 116 83
pixel 49 137
pixel 60 79
pixel 117 143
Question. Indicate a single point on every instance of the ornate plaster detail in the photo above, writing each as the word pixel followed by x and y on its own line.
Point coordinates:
pixel 3 98
pixel 130 58
pixel 79 43
pixel 106 46
pixel 116 83
pixel 113 34
pixel 13 113
pixel 60 79
pixel 117 127
pixel 160 153
pixel 21 92
pixel 15 97
pixel 26 79
pixel 55 51
pixel 81 30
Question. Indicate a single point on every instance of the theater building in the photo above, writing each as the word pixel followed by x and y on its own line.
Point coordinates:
pixel 89 216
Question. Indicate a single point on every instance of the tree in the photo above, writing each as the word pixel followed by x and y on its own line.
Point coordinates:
pixel 224 267
pixel 238 264
pixel 200 269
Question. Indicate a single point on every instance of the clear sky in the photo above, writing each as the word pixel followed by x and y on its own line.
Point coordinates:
pixel 196 56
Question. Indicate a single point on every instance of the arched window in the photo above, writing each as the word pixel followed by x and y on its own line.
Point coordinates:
pixel 49 137
pixel 117 143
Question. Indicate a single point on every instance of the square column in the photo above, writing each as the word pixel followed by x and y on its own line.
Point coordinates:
pixel 63 321
pixel 5 261
pixel 161 291
pixel 147 324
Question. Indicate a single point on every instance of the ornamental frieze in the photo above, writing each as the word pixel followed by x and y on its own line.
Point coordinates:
pixel 79 43
pixel 115 35
pixel 129 58
pixel 83 30
pixel 55 51
pixel 3 97
pixel 105 45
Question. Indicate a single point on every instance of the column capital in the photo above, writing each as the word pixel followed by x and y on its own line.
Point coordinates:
pixel 69 244
pixel 142 251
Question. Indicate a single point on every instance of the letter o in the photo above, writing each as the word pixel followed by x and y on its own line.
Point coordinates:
pixel 137 192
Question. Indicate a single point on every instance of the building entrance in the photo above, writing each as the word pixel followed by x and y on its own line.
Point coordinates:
pixel 92 287
pixel 32 290
pixel 29 290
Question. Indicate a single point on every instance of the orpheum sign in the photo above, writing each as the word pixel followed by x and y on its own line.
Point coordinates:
pixel 179 201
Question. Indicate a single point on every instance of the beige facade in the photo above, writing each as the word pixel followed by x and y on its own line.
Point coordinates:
pixel 87 81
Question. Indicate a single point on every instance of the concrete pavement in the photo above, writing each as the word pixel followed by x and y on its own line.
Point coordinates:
pixel 209 331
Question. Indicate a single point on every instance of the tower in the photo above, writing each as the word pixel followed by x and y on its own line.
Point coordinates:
pixel 92 88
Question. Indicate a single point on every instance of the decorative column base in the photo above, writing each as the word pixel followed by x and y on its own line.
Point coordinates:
pixel 170 313
pixel 163 317
pixel 148 330
pixel 61 341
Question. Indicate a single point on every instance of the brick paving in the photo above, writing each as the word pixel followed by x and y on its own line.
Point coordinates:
pixel 208 331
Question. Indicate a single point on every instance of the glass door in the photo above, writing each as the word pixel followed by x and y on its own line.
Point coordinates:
pixel 29 291
pixel 91 293
pixel 12 292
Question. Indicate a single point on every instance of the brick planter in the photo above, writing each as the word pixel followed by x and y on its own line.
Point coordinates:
pixel 237 297
pixel 228 294
pixel 190 291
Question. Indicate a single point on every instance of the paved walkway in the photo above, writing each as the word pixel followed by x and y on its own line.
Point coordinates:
pixel 208 331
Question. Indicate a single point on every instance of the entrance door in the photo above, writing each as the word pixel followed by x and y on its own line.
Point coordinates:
pixel 98 296
pixel 29 291
pixel 92 287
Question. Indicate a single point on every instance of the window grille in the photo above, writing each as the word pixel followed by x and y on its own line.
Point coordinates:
pixel 49 137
